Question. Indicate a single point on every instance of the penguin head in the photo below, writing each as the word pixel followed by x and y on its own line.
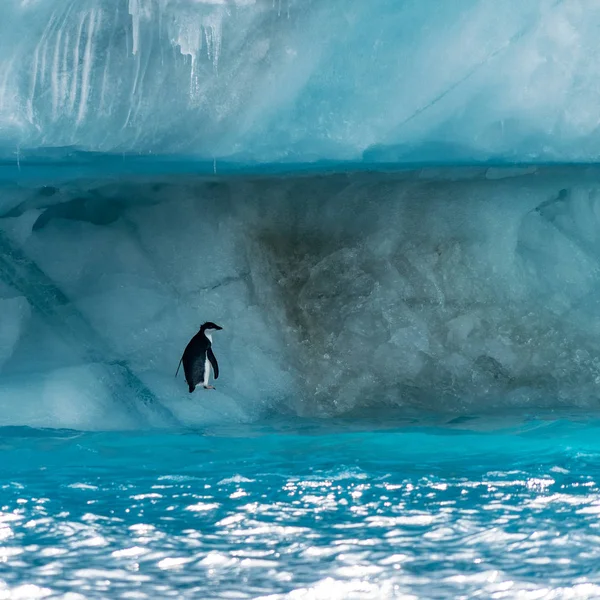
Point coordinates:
pixel 210 325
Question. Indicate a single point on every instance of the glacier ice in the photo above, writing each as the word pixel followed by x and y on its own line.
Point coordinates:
pixel 140 146
pixel 302 80
pixel 439 289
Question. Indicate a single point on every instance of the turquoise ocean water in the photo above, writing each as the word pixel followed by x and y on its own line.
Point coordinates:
pixel 490 507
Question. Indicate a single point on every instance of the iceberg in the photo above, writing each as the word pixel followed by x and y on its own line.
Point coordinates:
pixel 385 204
pixel 261 81
pixel 449 289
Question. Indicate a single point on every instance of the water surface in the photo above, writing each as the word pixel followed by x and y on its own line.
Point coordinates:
pixel 498 507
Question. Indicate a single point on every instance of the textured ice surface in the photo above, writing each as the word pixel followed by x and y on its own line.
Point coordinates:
pixel 441 290
pixel 270 80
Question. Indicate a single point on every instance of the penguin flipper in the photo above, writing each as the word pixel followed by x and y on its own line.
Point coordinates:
pixel 213 362
pixel 178 367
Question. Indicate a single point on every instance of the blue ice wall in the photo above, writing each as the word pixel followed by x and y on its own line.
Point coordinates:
pixel 443 288
pixel 439 290
pixel 291 80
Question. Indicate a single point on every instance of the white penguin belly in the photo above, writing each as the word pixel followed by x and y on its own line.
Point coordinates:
pixel 206 371
pixel 206 362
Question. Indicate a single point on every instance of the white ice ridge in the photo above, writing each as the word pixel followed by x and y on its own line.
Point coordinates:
pixel 455 290
pixel 273 80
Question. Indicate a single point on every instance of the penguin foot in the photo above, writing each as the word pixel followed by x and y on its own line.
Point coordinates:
pixel 209 387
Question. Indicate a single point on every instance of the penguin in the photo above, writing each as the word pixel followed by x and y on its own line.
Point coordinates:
pixel 196 357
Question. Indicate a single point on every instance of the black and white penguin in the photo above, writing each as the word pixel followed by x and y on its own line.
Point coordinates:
pixel 197 356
